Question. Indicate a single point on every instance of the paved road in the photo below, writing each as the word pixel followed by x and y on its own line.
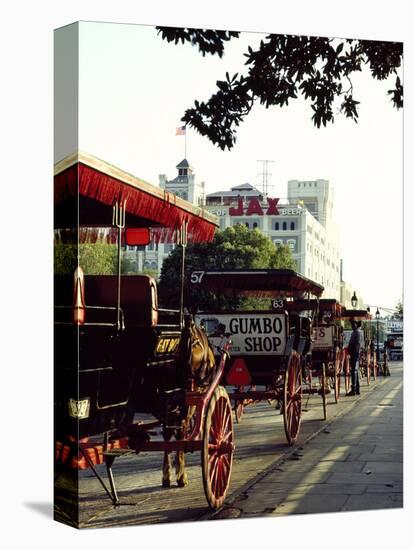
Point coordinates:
pixel 354 464
pixel 262 459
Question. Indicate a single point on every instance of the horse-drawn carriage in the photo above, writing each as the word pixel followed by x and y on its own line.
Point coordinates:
pixel 268 344
pixel 117 353
pixel 323 364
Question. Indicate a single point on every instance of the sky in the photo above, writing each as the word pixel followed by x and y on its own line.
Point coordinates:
pixel 134 88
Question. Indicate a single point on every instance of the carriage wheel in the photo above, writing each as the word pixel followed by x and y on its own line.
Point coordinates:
pixel 218 448
pixel 292 398
pixel 347 373
pixel 310 380
pixel 331 380
pixel 337 371
pixel 368 369
pixel 324 390
pixel 374 368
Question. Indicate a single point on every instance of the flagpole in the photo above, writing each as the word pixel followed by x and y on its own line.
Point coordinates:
pixel 185 144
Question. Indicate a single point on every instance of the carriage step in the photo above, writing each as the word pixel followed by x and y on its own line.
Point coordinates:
pixel 118 452
pixel 174 427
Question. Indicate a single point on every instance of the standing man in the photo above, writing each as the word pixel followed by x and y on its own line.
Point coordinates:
pixel 354 352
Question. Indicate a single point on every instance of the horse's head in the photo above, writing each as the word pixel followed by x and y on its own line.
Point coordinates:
pixel 195 352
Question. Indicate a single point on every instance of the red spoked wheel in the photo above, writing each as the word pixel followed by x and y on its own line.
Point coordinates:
pixel 367 355
pixel 324 387
pixel 218 448
pixel 347 373
pixel 336 381
pixel 292 398
pixel 309 379
pixel 362 365
pixel 337 375
pixel 374 367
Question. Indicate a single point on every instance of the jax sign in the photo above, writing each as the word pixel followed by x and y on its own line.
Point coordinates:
pixel 251 334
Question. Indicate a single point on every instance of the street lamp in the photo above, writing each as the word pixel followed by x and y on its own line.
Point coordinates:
pixel 377 349
pixel 354 300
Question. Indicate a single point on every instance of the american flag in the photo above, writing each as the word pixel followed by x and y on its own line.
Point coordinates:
pixel 181 131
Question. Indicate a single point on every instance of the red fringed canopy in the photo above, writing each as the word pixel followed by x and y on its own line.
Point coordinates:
pixel 259 283
pixel 86 188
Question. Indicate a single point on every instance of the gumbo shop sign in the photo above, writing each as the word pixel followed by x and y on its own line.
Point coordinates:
pixel 251 334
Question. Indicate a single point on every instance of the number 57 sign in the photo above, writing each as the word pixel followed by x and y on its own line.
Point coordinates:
pixel 196 277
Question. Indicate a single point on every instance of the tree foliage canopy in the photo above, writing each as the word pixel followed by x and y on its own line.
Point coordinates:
pixel 234 248
pixel 282 68
pixel 399 309
pixel 95 259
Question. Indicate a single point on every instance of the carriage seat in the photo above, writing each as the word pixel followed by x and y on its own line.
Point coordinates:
pixel 300 331
pixel 138 297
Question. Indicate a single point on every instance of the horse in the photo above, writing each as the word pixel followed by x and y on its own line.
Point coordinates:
pixel 195 359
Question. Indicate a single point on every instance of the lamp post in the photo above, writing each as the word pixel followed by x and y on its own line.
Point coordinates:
pixel 354 300
pixel 368 328
pixel 377 349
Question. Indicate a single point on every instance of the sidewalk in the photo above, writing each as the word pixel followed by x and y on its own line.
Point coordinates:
pixel 355 463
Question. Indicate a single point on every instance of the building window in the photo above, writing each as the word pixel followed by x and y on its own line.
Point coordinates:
pixel 284 226
pixel 168 247
pixel 254 223
pixel 277 242
pixel 247 225
pixel 291 244
pixel 292 226
pixel 276 226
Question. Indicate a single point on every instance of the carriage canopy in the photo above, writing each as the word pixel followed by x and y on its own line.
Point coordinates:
pixel 356 314
pixel 323 306
pixel 257 283
pixel 86 188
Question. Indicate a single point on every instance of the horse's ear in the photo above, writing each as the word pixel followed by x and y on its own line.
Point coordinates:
pixel 193 309
pixel 188 320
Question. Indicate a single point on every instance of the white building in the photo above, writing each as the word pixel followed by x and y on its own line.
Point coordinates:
pixel 304 222
pixel 185 186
